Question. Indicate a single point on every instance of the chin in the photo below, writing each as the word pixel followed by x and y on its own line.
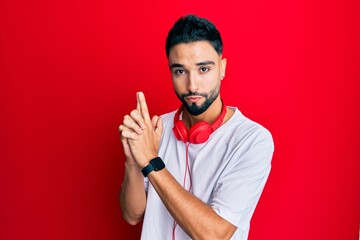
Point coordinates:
pixel 196 110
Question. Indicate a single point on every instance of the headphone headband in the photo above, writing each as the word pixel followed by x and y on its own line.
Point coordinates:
pixel 200 131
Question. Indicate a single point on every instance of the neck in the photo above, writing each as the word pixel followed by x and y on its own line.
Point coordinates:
pixel 208 116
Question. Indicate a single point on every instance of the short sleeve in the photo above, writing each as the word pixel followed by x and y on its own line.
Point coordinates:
pixel 146 184
pixel 238 189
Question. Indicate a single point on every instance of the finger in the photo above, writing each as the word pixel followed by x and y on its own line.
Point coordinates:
pixel 132 125
pixel 159 126
pixel 121 128
pixel 154 121
pixel 125 144
pixel 129 135
pixel 143 106
pixel 126 148
pixel 126 133
pixel 137 102
pixel 137 117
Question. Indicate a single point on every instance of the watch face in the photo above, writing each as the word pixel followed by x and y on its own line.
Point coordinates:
pixel 157 163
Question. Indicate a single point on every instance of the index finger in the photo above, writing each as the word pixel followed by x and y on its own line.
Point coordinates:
pixel 137 102
pixel 143 106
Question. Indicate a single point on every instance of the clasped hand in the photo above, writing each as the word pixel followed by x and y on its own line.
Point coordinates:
pixel 140 135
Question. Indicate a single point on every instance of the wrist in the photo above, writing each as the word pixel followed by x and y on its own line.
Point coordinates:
pixel 155 164
pixel 146 161
pixel 131 165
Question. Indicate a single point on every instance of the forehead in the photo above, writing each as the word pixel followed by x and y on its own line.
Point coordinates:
pixel 192 53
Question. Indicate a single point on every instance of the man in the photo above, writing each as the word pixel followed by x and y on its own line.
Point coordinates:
pixel 195 173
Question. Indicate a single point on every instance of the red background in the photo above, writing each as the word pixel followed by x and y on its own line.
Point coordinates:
pixel 69 71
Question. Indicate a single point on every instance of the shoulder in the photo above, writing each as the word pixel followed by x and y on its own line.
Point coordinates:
pixel 248 143
pixel 168 118
pixel 241 129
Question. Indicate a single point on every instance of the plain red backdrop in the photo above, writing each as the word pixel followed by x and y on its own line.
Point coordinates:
pixel 69 71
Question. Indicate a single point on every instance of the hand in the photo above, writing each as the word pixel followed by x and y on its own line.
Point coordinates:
pixel 132 126
pixel 141 136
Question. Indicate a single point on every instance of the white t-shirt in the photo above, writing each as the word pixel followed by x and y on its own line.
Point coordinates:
pixel 228 172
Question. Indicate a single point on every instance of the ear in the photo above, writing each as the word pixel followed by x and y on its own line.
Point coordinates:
pixel 223 68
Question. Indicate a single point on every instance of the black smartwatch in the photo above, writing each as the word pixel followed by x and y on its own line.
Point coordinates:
pixel 155 164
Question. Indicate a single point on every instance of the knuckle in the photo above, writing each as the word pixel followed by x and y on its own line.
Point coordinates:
pixel 134 125
pixel 126 120
pixel 127 134
pixel 123 134
pixel 134 112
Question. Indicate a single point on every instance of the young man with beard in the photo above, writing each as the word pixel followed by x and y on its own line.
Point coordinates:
pixel 197 172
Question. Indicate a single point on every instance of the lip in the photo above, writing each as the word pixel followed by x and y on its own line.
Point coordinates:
pixel 194 99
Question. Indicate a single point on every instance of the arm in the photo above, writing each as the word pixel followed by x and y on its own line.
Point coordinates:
pixel 198 219
pixel 132 196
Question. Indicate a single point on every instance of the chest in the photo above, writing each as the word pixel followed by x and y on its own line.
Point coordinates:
pixel 197 167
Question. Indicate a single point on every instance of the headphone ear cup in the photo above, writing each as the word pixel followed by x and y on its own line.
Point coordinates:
pixel 180 131
pixel 200 132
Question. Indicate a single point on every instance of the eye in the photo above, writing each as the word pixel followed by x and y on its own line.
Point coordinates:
pixel 179 71
pixel 204 69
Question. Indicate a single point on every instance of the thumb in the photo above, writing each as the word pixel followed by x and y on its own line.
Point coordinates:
pixel 125 143
pixel 159 126
pixel 154 121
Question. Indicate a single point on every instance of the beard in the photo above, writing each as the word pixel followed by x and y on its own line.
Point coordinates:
pixel 192 108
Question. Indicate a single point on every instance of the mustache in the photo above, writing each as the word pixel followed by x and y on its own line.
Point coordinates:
pixel 191 94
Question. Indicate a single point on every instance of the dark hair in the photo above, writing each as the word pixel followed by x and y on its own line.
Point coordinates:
pixel 191 28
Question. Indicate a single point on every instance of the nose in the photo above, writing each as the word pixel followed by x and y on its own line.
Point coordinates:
pixel 192 82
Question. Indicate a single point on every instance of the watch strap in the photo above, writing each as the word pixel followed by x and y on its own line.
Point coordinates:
pixel 155 164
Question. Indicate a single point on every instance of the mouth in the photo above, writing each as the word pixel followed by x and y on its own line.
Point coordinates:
pixel 193 99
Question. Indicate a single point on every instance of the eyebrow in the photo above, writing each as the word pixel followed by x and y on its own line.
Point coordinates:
pixel 178 65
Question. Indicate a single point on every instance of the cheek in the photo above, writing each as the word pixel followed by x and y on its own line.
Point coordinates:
pixel 178 85
pixel 209 81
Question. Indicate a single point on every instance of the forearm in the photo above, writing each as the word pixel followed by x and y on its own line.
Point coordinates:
pixel 132 196
pixel 196 218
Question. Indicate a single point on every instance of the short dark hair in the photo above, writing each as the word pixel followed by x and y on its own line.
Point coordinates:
pixel 191 28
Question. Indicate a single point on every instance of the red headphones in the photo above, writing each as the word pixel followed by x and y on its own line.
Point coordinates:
pixel 200 132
